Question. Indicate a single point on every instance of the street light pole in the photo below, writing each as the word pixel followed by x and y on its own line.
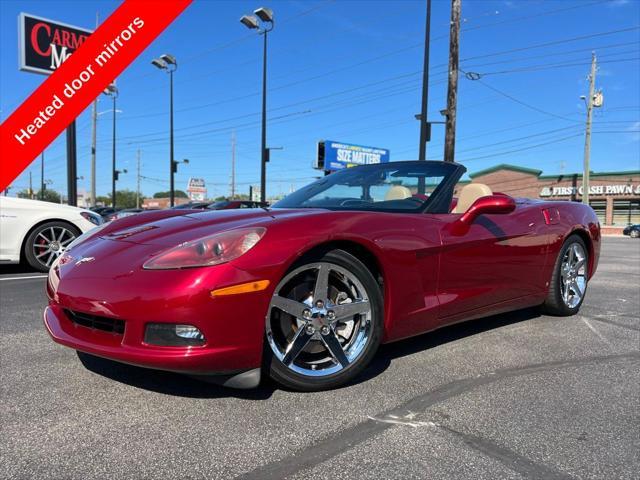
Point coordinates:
pixel 171 159
pixel 113 155
pixel 424 125
pixel 112 91
pixel 251 22
pixel 169 64
pixel 42 176
pixel 263 163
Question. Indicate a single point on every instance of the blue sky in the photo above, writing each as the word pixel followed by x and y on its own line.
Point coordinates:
pixel 351 71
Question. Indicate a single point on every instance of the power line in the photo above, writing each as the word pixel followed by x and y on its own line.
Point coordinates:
pixel 554 42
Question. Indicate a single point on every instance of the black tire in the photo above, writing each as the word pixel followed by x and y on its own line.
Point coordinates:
pixel 281 374
pixel 41 257
pixel 555 304
pixel 634 234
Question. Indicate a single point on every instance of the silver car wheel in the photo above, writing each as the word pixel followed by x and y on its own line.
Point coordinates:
pixel 573 275
pixel 50 243
pixel 319 320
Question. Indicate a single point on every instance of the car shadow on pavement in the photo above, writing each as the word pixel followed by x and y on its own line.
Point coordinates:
pixel 181 385
pixel 168 383
pixel 13 269
pixel 442 336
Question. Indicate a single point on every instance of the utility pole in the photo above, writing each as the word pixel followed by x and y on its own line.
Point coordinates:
pixel 138 182
pixel 42 175
pixel 30 186
pixel 424 124
pixel 233 164
pixel 94 128
pixel 587 137
pixel 452 91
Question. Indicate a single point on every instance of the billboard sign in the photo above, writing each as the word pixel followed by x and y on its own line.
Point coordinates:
pixel 44 44
pixel 334 155
pixel 197 189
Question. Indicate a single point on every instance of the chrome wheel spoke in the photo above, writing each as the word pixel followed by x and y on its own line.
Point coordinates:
pixel 67 241
pixel 52 256
pixel 580 263
pixel 335 348
pixel 321 289
pixel 289 306
pixel 44 237
pixel 298 343
pixel 576 289
pixel 43 253
pixel 63 232
pixel 348 310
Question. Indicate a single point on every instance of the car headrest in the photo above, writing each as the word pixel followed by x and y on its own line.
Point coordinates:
pixel 469 194
pixel 397 192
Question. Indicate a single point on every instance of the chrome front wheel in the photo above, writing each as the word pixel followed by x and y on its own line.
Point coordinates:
pixel 322 321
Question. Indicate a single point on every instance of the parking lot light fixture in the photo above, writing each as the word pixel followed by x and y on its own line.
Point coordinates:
pixel 113 92
pixel 264 15
pixel 249 21
pixel 169 64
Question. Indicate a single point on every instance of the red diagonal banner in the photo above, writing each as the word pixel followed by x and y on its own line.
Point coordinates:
pixel 79 80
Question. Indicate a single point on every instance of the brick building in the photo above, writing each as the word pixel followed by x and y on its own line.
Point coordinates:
pixel 615 196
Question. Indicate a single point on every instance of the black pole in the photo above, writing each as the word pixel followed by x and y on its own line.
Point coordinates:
pixel 263 163
pixel 71 165
pixel 425 89
pixel 171 160
pixel 113 156
pixel 42 176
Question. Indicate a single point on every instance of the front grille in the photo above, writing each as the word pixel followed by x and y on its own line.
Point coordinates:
pixel 105 324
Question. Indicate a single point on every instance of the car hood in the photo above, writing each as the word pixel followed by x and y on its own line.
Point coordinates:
pixel 172 230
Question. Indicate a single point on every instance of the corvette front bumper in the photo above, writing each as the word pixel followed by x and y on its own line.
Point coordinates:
pixel 196 361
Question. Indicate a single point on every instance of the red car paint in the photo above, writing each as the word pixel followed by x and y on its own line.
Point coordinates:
pixel 433 273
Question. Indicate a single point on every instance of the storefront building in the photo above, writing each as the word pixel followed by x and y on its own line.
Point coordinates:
pixel 615 196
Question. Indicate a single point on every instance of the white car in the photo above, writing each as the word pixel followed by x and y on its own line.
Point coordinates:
pixel 39 232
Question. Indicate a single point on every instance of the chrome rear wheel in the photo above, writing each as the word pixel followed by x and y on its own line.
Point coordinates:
pixel 573 274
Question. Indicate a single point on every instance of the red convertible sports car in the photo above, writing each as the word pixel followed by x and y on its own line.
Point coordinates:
pixel 305 292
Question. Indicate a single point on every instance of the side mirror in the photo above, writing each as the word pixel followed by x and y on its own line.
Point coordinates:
pixel 491 204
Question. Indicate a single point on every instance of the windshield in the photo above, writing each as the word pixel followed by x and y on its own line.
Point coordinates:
pixel 219 205
pixel 394 187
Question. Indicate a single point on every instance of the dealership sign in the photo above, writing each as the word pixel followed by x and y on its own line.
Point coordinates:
pixel 337 155
pixel 197 189
pixel 44 44
pixel 620 189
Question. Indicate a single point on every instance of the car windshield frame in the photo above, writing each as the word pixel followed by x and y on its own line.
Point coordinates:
pixel 438 201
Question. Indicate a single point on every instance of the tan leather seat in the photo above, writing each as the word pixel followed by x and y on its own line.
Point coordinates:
pixel 397 192
pixel 469 194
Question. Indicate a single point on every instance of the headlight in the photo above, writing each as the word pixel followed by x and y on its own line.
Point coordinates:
pixel 92 217
pixel 207 251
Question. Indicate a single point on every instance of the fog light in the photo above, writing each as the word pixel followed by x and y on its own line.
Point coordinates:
pixel 173 335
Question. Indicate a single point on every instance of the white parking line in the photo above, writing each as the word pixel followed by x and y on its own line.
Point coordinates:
pixel 22 278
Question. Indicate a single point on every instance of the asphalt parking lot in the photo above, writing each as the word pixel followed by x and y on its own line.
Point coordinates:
pixel 519 395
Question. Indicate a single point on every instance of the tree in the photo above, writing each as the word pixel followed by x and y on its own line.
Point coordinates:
pixel 106 201
pixel 125 199
pixel 49 195
pixel 24 193
pixel 176 194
